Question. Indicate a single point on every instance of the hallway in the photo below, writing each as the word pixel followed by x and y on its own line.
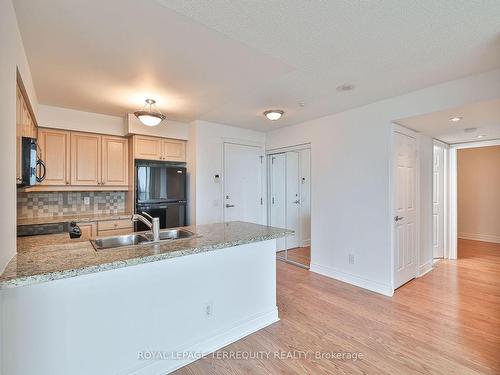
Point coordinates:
pixel 445 322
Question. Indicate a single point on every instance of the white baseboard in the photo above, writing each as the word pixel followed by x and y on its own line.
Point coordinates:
pixel 424 268
pixel 479 237
pixel 209 345
pixel 374 286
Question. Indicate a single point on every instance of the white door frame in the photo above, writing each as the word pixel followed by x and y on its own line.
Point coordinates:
pixel 281 150
pixel 392 189
pixel 453 212
pixel 262 147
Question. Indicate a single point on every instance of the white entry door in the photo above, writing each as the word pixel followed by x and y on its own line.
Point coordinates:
pixel 438 203
pixel 292 198
pixel 405 231
pixel 242 183
pixel 277 196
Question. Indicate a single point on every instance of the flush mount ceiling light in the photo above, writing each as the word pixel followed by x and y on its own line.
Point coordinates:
pixel 150 115
pixel 345 87
pixel 481 136
pixel 274 114
pixel 456 119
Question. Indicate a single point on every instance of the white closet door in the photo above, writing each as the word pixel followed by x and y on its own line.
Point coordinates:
pixel 292 198
pixel 405 235
pixel 277 167
pixel 438 203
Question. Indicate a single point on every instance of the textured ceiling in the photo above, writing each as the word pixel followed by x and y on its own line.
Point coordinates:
pixel 484 116
pixel 228 61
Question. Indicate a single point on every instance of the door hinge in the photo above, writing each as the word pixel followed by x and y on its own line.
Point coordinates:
pixel 261 159
pixel 272 160
pixel 261 201
pixel 272 200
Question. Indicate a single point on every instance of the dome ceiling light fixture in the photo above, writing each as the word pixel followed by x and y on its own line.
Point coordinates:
pixel 150 115
pixel 345 87
pixel 274 114
pixel 455 119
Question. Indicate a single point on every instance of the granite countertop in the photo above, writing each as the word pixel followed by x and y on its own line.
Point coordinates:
pixel 75 217
pixel 56 256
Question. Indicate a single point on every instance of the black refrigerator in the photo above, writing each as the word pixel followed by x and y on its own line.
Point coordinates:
pixel 160 191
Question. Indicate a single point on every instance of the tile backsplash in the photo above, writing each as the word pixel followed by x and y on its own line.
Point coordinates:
pixel 31 204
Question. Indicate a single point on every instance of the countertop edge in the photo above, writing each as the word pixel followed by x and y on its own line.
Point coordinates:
pixel 64 274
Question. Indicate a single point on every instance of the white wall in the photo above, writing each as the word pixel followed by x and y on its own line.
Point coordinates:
pixel 351 157
pixel 71 119
pixel 208 162
pixel 12 55
pixel 168 129
pixel 305 197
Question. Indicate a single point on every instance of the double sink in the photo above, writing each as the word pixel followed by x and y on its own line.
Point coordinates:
pixel 138 239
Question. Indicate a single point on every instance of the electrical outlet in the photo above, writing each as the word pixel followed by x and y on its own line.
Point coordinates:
pixel 351 258
pixel 86 201
pixel 208 310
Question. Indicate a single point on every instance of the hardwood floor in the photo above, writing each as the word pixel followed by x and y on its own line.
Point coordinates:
pixel 300 255
pixel 446 322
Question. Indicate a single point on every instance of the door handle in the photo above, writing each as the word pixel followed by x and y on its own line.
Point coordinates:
pixel 296 202
pixel 229 205
pixel 397 218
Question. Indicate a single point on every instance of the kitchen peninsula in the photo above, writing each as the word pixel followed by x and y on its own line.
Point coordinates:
pixel 95 311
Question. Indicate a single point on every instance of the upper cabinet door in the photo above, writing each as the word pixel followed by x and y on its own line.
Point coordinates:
pixel 147 148
pixel 114 161
pixel 19 133
pixel 85 159
pixel 174 150
pixel 54 148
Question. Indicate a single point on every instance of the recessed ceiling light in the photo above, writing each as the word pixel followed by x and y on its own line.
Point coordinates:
pixel 456 119
pixel 481 136
pixel 274 114
pixel 345 87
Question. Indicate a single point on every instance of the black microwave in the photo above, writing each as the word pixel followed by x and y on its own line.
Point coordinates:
pixel 32 167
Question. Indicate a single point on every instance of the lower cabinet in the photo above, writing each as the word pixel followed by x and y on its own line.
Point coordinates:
pixel 89 230
pixel 115 232
pixel 114 227
pixel 104 228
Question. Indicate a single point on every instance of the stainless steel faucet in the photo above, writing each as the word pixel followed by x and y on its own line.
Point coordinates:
pixel 154 224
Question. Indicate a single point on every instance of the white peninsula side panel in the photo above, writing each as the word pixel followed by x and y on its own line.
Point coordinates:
pixel 100 323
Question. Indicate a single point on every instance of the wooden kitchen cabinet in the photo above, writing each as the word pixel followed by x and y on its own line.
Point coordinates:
pixel 114 161
pixel 25 127
pixel 153 148
pixel 174 150
pixel 147 148
pixel 55 152
pixel 85 159
pixel 89 230
pixel 19 133
pixel 114 227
